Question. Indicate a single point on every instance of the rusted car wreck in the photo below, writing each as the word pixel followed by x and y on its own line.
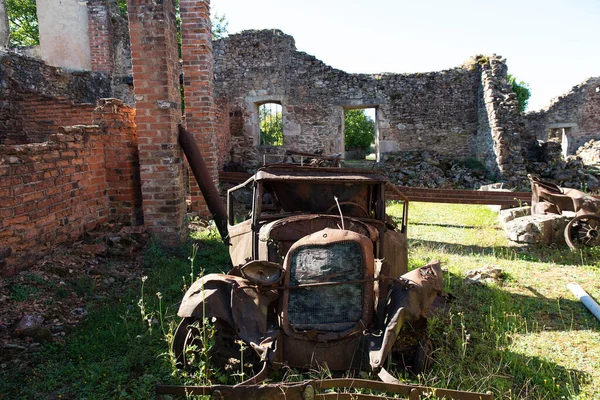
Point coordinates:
pixel 320 280
pixel 549 198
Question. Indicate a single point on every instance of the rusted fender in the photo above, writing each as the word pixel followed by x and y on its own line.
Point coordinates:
pixel 411 297
pixel 235 301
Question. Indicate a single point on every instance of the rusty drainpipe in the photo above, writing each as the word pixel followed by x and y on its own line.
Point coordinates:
pixel 209 191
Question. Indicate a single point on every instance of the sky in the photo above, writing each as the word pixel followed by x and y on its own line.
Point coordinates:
pixel 551 45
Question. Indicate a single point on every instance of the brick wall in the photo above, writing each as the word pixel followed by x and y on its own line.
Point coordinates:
pixel 36 98
pixel 34 117
pixel 200 112
pixel 52 192
pixel 99 27
pixel 157 98
pixel 121 161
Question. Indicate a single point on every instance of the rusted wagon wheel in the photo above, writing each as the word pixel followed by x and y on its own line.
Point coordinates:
pixel 583 230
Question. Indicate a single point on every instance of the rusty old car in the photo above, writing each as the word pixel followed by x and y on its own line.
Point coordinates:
pixel 319 280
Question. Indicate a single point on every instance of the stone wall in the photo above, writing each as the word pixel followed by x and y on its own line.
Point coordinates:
pixel 575 114
pixel 438 111
pixel 53 192
pixel 36 98
pixel 501 140
pixel 223 132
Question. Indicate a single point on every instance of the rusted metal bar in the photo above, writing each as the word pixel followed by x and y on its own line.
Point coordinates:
pixel 314 389
pixel 429 195
pixel 208 189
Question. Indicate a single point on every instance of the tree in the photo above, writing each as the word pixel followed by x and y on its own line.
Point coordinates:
pixel 218 25
pixel 22 20
pixel 359 130
pixel 271 124
pixel 522 91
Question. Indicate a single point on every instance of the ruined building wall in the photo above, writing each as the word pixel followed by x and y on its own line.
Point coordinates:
pixel 502 140
pixel 223 132
pixel 110 47
pixel 54 191
pixel 36 98
pixel 423 111
pixel 578 112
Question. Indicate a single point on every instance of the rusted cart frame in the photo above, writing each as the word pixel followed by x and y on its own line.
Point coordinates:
pixel 322 389
pixel 549 198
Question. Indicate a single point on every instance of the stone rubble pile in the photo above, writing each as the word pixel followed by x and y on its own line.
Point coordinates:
pixel 571 172
pixel 432 170
pixel 590 153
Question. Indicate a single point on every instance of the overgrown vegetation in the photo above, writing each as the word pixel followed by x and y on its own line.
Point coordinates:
pixel 271 124
pixel 23 23
pixel 525 337
pixel 359 130
pixel 522 91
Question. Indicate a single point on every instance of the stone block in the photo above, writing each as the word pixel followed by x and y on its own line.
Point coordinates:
pixel 537 229
pixel 511 214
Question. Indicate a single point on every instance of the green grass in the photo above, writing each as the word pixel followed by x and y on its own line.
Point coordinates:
pixel 525 337
pixel 115 352
pixel 528 337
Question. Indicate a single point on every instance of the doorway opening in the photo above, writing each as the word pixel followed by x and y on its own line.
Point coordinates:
pixel 360 134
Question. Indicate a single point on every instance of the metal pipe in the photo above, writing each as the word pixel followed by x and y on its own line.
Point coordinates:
pixel 208 189
pixel 585 299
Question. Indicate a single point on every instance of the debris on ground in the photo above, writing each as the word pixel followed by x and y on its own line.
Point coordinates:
pixel 46 301
pixel 484 275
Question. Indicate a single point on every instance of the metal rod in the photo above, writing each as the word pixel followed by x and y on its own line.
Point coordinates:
pixel 208 189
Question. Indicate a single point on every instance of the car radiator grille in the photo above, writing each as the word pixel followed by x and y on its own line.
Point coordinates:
pixel 332 307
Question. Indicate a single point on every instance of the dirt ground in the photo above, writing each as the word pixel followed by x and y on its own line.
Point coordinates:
pixel 44 302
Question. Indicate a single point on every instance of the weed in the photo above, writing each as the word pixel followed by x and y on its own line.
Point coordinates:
pixel 22 292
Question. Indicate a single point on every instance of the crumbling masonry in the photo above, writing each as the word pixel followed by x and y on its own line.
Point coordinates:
pixel 70 162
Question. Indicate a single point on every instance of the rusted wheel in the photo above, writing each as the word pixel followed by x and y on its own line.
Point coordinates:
pixel 215 343
pixel 583 230
pixel 422 360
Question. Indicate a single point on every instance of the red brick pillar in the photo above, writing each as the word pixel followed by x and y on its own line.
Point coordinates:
pixel 155 65
pixel 196 52
pixel 99 28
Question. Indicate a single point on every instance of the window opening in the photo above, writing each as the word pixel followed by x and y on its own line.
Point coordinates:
pixel 562 136
pixel 270 118
pixel 359 134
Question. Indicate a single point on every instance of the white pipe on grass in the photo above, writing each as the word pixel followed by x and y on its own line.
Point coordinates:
pixel 585 299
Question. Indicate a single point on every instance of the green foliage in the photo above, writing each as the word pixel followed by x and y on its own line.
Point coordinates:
pixel 522 91
pixel 359 130
pixel 219 25
pixel 122 4
pixel 23 24
pixel 271 124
